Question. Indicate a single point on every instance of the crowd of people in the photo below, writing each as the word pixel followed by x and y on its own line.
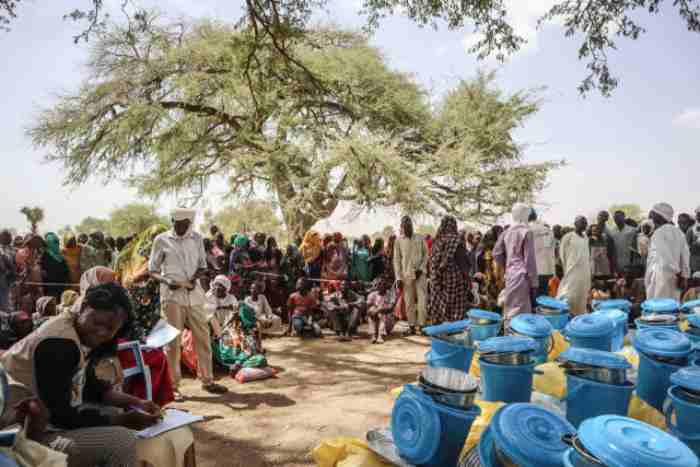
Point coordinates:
pixel 83 296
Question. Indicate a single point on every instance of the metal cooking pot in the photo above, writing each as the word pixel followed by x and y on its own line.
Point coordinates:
pixel 449 379
pixel 548 311
pixel 508 358
pixel 549 339
pixel 454 399
pixel 461 338
pixel 692 396
pixel 658 320
pixel 482 321
pixel 617 376
pixel 589 459
pixel 678 361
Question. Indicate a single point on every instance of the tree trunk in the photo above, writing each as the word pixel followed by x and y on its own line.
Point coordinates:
pixel 298 219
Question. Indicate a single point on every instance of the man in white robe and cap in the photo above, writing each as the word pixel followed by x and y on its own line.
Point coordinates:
pixel 693 235
pixel 576 261
pixel 668 263
pixel 177 261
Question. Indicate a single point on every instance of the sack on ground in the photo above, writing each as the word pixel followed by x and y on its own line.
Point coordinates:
pixel 552 382
pixel 559 345
pixel 346 452
pixel 640 410
pixel 246 375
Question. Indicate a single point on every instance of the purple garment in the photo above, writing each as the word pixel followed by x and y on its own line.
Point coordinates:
pixel 515 249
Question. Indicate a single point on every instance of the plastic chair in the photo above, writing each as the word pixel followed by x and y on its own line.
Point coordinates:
pixel 140 369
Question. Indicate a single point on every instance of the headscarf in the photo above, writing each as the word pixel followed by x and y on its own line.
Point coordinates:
pixel 96 276
pixel 223 281
pixel 42 303
pixel 247 315
pixel 445 246
pixel 240 241
pixel 664 210
pixel 521 213
pixel 53 247
pixel 133 259
pixel 68 299
pixel 182 214
pixel 311 246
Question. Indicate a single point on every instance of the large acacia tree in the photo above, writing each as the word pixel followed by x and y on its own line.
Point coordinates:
pixel 167 107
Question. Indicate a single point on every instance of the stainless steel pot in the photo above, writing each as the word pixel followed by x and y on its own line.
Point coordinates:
pixel 483 321
pixel 461 338
pixel 454 399
pixel 678 361
pixel 692 396
pixel 449 379
pixel 583 454
pixel 658 320
pixel 508 358
pixel 548 311
pixel 596 373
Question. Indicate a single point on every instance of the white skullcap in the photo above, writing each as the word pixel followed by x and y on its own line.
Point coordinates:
pixel 664 210
pixel 223 281
pixel 181 214
pixel 521 213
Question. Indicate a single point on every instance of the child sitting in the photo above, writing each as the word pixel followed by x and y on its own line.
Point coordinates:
pixel 380 307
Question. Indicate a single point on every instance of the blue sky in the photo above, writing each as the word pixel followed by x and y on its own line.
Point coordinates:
pixel 641 145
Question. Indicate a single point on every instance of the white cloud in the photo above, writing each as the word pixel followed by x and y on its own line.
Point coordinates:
pixel 689 118
pixel 523 16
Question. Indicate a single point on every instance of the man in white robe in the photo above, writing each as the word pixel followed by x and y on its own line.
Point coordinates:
pixel 575 258
pixel 668 262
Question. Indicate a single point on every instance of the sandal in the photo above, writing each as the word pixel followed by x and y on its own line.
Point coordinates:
pixel 214 388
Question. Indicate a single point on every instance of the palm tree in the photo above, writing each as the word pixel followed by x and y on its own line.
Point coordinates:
pixel 34 216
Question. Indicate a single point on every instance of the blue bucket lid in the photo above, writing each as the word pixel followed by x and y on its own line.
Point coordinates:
pixel 530 435
pixel 617 303
pixel 531 325
pixel 483 314
pixel 688 306
pixel 663 342
pixel 447 328
pixel 618 316
pixel 687 378
pixel 508 344
pixel 415 427
pixel 590 325
pixel 622 442
pixel 660 305
pixel 553 303
pixel 595 358
pixel 694 320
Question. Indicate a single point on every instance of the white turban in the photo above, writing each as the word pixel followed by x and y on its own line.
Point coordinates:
pixel 181 214
pixel 521 213
pixel 223 281
pixel 664 210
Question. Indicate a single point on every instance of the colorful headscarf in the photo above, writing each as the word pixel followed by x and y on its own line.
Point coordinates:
pixel 96 276
pixel 53 247
pixel 247 315
pixel 42 303
pixel 311 246
pixel 133 258
pixel 240 241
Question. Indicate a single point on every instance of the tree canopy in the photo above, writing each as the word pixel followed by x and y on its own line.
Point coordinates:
pixel 279 25
pixel 132 218
pixel 34 216
pixel 169 106
pixel 631 210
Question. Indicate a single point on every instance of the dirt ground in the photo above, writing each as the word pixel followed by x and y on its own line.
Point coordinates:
pixel 325 389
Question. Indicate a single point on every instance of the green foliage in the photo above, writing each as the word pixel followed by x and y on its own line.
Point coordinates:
pixel 134 218
pixel 92 224
pixel 426 229
pixel 169 106
pixel 250 217
pixel 34 217
pixel 632 211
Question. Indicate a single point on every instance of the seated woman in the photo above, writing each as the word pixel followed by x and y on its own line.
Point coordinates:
pixel 380 307
pixel 57 364
pixel 301 306
pixel 220 303
pixel 45 310
pixel 344 308
pixel 267 320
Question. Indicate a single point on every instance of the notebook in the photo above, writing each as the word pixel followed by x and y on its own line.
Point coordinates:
pixel 172 419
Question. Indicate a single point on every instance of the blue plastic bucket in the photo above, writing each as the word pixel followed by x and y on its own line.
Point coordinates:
pixel 481 332
pixel 590 331
pixel 444 354
pixel 619 317
pixel 558 321
pixel 427 433
pixel 506 383
pixel 682 414
pixel 586 399
pixel 641 325
pixel 653 380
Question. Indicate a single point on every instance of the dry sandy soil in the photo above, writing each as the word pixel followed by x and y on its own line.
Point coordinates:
pixel 325 389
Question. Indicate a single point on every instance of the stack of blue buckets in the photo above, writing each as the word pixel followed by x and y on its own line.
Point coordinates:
pixel 484 324
pixel 537 327
pixel 553 310
pixel 502 378
pixel 426 431
pixel 591 331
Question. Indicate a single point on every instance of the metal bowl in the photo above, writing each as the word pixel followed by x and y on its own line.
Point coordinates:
pixel 691 396
pixel 449 380
pixel 508 358
pixel 456 400
pixel 586 457
pixel 616 376
pixel 463 338
pixel 548 311
pixel 658 320
pixel 483 321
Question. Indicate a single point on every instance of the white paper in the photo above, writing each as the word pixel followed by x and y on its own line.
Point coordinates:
pixel 172 419
pixel 161 335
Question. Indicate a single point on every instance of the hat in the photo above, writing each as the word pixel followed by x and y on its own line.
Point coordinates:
pixel 181 214
pixel 223 281
pixel 664 210
pixel 521 213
